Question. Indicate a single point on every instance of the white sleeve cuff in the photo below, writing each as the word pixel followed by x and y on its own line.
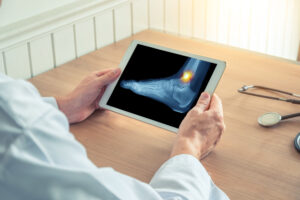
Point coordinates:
pixel 184 176
pixel 51 101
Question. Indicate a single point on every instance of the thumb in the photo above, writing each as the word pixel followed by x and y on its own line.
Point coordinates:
pixel 203 102
pixel 109 77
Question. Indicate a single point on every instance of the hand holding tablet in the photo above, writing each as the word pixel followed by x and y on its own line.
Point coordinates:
pixel 201 129
pixel 160 85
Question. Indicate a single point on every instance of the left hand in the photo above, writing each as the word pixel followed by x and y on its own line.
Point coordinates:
pixel 83 100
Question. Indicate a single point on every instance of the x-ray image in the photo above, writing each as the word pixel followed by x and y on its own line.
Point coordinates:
pixel 177 91
pixel 160 85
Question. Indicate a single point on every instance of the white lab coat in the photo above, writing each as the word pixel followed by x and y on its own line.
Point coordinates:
pixel 40 159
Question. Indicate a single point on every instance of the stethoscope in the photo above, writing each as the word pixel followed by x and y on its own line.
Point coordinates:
pixel 272 118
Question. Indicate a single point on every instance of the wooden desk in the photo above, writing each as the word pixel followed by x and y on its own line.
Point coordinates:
pixel 250 162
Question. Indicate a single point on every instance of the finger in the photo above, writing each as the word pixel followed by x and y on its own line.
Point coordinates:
pixel 216 104
pixel 108 77
pixel 103 71
pixel 99 97
pixel 203 102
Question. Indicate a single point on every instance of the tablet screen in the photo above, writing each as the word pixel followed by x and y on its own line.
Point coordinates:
pixel 160 85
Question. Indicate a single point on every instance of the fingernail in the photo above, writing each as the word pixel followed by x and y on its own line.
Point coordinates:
pixel 204 95
pixel 115 70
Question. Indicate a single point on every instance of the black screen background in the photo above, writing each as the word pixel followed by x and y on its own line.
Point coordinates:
pixel 149 63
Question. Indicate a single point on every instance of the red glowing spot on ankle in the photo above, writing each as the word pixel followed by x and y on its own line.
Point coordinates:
pixel 186 77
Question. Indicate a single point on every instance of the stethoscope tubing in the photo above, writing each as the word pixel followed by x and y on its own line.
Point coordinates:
pixel 295 101
pixel 290 116
pixel 245 88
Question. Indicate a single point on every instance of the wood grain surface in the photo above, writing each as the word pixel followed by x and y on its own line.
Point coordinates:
pixel 250 162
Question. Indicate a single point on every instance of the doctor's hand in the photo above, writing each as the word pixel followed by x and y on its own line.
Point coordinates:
pixel 201 129
pixel 83 100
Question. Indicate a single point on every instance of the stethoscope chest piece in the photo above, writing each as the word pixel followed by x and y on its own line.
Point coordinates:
pixel 269 119
pixel 273 118
pixel 297 142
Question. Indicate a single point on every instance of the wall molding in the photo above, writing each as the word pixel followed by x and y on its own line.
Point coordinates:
pixel 14 34
pixel 43 42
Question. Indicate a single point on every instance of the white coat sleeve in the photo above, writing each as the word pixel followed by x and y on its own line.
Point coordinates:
pixel 184 177
pixel 51 101
pixel 41 159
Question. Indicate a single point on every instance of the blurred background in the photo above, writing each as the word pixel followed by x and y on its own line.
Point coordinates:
pixel 36 36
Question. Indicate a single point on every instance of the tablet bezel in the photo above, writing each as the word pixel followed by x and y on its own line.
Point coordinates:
pixel 210 88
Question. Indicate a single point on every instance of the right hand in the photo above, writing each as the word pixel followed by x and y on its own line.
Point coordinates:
pixel 84 99
pixel 201 129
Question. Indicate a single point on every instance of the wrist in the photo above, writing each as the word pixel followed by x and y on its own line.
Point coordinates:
pixel 66 106
pixel 185 145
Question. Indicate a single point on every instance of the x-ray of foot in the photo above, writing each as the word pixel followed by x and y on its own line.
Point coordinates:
pixel 178 91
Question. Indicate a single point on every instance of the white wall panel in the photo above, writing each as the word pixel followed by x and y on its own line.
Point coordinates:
pixel 41 55
pixel 104 29
pixel 266 26
pixel 172 16
pixel 288 34
pixel 140 15
pixel 64 45
pixel 122 22
pixel 156 14
pixel 259 26
pixel 17 62
pixel 295 34
pixel 200 18
pixel 12 11
pixel 245 24
pixel 2 70
pixel 186 18
pixel 235 20
pixel 85 37
pixel 212 14
pixel 277 27
pixel 223 26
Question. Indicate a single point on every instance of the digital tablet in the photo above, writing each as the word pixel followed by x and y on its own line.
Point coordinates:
pixel 159 85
